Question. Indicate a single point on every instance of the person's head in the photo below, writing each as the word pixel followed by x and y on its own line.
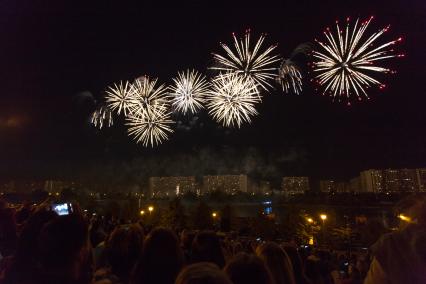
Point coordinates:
pixel 206 248
pixel 248 269
pixel 123 249
pixel 296 262
pixel 313 269
pixel 26 255
pixel 161 258
pixel 26 251
pixel 186 239
pixel 277 261
pixel 63 250
pixel 202 273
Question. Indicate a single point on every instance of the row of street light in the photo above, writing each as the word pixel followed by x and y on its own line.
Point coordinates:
pixel 150 209
pixel 323 217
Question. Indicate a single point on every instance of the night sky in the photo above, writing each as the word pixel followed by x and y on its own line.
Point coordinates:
pixel 57 57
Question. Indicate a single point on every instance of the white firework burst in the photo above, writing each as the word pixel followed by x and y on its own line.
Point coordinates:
pixel 147 97
pixel 120 97
pixel 347 62
pixel 290 77
pixel 254 63
pixel 102 117
pixel 150 129
pixel 189 91
pixel 232 100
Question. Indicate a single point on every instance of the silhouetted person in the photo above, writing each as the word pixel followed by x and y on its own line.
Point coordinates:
pixel 206 248
pixel 64 251
pixel 161 259
pixel 8 235
pixel 277 261
pixel 296 263
pixel 186 239
pixel 313 270
pixel 202 273
pixel 22 267
pixel 248 269
pixel 123 249
pixel 400 257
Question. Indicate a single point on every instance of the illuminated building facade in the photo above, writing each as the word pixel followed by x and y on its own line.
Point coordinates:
pixel 327 186
pixel 162 187
pixel 295 185
pixel 226 183
pixel 393 180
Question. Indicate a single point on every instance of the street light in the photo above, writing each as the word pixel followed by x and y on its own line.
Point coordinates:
pixel 310 220
pixel 214 214
pixel 150 209
pixel 142 212
pixel 323 218
pixel 404 218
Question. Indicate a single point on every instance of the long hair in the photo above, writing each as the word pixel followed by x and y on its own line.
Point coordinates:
pixel 277 261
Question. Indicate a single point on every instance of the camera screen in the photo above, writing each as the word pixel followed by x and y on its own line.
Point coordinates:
pixel 61 209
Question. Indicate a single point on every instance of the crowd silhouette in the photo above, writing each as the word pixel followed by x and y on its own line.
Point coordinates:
pixel 39 246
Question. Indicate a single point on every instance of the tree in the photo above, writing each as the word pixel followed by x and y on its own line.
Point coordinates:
pixel 202 218
pixel 225 218
pixel 174 217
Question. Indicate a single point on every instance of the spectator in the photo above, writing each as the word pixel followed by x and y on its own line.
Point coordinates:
pixel 206 248
pixel 64 251
pixel 248 269
pixel 202 273
pixel 400 257
pixel 8 235
pixel 123 249
pixel 277 261
pixel 313 270
pixel 186 239
pixel 161 259
pixel 22 266
pixel 296 263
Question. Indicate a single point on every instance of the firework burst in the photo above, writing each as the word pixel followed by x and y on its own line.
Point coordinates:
pixel 102 117
pixel 150 129
pixel 189 91
pixel 120 97
pixel 254 63
pixel 232 100
pixel 290 77
pixel 347 62
pixel 147 97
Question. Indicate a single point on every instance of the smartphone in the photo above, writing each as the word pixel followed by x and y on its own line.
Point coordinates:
pixel 62 208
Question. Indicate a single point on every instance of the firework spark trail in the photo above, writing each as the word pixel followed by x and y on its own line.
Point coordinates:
pixel 189 91
pixel 254 64
pixel 232 100
pixel 102 116
pixel 290 77
pixel 150 129
pixel 120 97
pixel 345 65
pixel 147 97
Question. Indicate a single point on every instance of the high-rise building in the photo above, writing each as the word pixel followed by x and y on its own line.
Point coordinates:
pixel 56 186
pixel 171 186
pixel 371 181
pixel 391 180
pixel 295 185
pixel 421 179
pixel 327 186
pixel 402 180
pixel 225 183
